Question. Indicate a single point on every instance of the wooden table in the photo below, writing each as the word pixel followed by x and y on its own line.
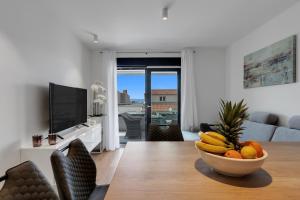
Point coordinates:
pixel 174 170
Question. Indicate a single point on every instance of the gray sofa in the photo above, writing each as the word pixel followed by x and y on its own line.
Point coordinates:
pixel 262 126
pixel 290 134
pixel 257 131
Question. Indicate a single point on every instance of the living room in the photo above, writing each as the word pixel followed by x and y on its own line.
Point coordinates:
pixel 208 49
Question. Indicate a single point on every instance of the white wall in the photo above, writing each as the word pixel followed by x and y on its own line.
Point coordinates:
pixel 210 82
pixel 97 70
pixel 35 48
pixel 281 99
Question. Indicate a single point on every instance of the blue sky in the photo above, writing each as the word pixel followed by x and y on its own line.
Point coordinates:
pixel 135 83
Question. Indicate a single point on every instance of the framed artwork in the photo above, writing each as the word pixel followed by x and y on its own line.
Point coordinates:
pixel 272 65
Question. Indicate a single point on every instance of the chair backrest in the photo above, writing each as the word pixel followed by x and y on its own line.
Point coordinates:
pixel 26 181
pixel 205 127
pixel 130 117
pixel 173 133
pixel 75 174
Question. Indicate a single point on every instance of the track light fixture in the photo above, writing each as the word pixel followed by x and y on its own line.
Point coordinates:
pixel 95 39
pixel 164 13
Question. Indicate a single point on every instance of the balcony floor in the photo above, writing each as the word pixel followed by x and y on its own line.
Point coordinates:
pixel 188 136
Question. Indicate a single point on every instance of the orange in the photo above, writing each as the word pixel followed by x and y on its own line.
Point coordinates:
pixel 258 148
pixel 245 143
pixel 256 145
pixel 248 152
pixel 233 154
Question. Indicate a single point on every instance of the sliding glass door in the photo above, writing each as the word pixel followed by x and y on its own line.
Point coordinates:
pixel 131 104
pixel 162 96
pixel 147 94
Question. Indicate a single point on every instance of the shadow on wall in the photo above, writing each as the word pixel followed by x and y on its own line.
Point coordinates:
pixel 12 149
pixel 36 110
pixel 86 74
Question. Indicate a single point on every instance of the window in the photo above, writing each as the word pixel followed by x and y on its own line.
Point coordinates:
pixel 162 98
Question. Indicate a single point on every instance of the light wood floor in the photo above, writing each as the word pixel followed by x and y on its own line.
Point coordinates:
pixel 107 163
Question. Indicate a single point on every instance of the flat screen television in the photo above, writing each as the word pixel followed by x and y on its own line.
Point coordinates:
pixel 67 107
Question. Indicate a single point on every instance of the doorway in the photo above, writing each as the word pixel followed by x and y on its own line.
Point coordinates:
pixel 148 92
pixel 162 99
pixel 131 104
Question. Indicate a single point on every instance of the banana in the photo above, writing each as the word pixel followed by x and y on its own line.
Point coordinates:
pixel 211 148
pixel 211 140
pixel 200 133
pixel 217 136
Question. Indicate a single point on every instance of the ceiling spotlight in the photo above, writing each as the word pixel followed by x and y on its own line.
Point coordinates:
pixel 95 40
pixel 164 13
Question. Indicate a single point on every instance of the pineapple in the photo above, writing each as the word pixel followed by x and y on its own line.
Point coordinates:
pixel 232 117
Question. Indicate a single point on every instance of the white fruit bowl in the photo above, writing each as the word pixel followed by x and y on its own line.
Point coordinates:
pixel 230 166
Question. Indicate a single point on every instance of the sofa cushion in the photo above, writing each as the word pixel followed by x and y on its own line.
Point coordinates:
pixel 264 118
pixel 294 122
pixel 257 131
pixel 283 134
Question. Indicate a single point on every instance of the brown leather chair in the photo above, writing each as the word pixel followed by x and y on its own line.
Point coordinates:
pixel 173 133
pixel 75 174
pixel 25 181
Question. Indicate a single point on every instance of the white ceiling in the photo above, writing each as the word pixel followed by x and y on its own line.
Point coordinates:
pixel 137 24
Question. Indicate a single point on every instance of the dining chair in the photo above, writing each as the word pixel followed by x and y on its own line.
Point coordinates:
pixel 172 133
pixel 133 126
pixel 205 127
pixel 26 181
pixel 75 174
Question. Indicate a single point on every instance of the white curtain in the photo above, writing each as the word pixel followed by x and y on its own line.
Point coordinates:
pixel 189 115
pixel 111 125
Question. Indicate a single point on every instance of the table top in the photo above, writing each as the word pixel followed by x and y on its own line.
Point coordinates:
pixel 174 170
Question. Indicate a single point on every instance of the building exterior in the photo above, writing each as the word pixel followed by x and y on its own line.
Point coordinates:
pixel 164 100
pixel 123 98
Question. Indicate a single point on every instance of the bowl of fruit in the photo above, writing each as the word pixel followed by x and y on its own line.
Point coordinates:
pixel 222 150
pixel 224 159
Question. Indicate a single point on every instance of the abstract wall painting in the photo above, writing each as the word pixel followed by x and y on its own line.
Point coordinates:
pixel 272 65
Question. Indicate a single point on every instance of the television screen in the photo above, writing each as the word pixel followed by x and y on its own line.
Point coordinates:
pixel 67 107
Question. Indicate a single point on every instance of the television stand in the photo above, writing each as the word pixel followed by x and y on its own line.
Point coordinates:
pixel 90 136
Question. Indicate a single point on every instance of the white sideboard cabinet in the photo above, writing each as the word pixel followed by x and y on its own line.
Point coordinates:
pixel 91 137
